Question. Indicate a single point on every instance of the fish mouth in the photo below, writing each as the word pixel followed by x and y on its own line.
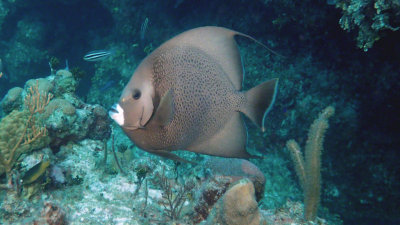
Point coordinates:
pixel 113 109
pixel 117 114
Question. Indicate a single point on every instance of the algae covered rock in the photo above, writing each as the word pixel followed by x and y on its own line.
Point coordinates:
pixel 237 169
pixel 65 122
pixel 222 173
pixel 64 83
pixel 100 128
pixel 61 121
pixel 237 206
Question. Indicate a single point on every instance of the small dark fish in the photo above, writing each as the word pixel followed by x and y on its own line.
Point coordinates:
pixel 97 55
pixel 2 73
pixel 66 65
pixel 35 172
pixel 143 28
pixel 107 85
pixel 1 68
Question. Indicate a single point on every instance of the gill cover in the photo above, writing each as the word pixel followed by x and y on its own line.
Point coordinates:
pixel 137 100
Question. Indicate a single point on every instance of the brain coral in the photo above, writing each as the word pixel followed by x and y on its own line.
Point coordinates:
pixel 11 129
pixel 12 100
pixel 44 85
pixel 65 106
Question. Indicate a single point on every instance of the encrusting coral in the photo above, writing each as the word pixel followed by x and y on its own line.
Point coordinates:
pixel 19 131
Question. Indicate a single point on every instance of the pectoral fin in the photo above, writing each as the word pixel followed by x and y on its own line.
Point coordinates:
pixel 165 110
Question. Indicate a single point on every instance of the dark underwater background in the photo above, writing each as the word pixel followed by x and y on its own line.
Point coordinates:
pixel 343 53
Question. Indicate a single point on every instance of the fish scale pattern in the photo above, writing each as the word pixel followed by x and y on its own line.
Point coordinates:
pixel 203 97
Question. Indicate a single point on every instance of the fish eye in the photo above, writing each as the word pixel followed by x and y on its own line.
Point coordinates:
pixel 136 94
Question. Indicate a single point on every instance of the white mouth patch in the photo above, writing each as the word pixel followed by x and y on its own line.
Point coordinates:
pixel 117 114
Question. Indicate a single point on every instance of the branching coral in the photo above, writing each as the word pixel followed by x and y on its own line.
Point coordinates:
pixel 173 198
pixel 20 132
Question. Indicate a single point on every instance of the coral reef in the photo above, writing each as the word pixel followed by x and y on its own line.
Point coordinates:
pixel 64 83
pixel 173 198
pixel 371 19
pixel 207 195
pixel 220 174
pixel 20 132
pixel 66 117
pixel 42 121
pixel 52 214
pixel 320 67
pixel 237 169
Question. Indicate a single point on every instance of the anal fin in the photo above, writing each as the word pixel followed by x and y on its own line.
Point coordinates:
pixel 229 142
pixel 169 155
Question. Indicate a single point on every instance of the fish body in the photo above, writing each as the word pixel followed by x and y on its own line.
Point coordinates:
pixel 97 55
pixel 187 95
pixel 107 85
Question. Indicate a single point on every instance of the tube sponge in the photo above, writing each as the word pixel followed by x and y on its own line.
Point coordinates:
pixel 308 168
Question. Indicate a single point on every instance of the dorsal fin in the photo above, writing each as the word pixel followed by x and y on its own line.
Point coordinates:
pixel 217 42
pixel 220 44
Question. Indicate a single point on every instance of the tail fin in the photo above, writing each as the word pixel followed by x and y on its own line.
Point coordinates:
pixel 259 101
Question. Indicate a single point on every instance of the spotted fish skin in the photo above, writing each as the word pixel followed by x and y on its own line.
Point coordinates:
pixel 203 99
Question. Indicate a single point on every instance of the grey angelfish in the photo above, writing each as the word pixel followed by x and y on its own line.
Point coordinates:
pixel 186 95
